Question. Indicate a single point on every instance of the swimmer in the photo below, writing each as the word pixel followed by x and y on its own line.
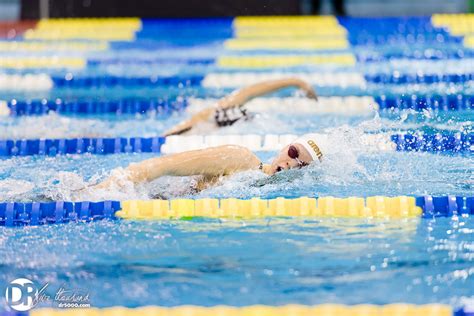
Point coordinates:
pixel 215 162
pixel 230 109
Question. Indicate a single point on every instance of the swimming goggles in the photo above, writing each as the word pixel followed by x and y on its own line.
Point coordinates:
pixel 293 153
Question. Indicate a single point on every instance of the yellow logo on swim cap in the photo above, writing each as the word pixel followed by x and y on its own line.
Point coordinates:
pixel 316 149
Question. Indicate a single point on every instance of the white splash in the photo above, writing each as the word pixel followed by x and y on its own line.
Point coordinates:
pixel 13 189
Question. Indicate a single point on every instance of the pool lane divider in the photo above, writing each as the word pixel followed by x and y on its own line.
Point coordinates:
pixel 25 82
pixel 237 80
pixel 419 142
pixel 457 25
pixel 99 146
pixel 55 47
pixel 14 107
pixel 358 31
pixel 370 32
pixel 350 105
pixel 412 141
pixel 46 62
pixel 462 55
pixel 284 60
pixel 317 79
pixel 44 213
pixel 322 79
pixel 111 29
pixel 465 56
pixel 221 80
pixel 123 106
pixel 400 309
pixel 331 42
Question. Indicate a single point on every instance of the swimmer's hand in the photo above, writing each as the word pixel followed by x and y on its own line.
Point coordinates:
pixel 308 89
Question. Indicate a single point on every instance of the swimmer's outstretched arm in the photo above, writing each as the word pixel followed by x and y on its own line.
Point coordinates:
pixel 209 162
pixel 246 94
pixel 240 97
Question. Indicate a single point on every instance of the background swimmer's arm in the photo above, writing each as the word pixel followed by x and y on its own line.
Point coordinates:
pixel 185 126
pixel 246 94
pixel 240 97
pixel 209 162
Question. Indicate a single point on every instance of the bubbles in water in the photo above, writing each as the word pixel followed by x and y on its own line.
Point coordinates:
pixel 12 189
pixel 63 185
pixel 351 163
pixel 58 126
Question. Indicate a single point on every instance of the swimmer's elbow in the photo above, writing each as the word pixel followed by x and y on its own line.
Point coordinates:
pixel 241 157
pixel 237 149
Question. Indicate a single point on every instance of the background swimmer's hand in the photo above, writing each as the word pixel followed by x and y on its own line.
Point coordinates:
pixel 311 93
pixel 307 88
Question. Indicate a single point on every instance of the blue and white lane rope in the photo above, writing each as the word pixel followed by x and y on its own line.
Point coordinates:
pixel 64 106
pixel 25 82
pixel 340 79
pixel 44 82
pixel 418 142
pixel 336 105
pixel 43 213
pixel 335 79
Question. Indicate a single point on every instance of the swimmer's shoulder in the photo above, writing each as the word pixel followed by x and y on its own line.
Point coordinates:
pixel 233 149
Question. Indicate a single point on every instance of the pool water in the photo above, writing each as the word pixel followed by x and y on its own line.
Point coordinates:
pixel 351 167
pixel 273 261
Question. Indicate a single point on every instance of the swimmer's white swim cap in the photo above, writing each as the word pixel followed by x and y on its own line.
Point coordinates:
pixel 309 142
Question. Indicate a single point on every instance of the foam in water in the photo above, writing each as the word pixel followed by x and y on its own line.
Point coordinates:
pixel 12 189
pixel 351 166
pixel 266 121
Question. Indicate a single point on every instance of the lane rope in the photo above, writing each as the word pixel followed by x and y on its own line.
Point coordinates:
pixel 414 141
pixel 261 310
pixel 349 105
pixel 28 82
pixel 44 213
pixel 322 79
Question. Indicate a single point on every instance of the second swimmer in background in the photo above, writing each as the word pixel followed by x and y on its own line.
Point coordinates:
pixel 231 108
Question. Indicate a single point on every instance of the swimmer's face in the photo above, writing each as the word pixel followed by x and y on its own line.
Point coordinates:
pixel 286 158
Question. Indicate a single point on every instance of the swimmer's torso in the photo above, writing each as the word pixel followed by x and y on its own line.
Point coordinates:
pixel 229 116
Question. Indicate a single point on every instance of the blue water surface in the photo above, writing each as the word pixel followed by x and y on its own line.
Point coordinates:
pixel 267 261
pixel 274 262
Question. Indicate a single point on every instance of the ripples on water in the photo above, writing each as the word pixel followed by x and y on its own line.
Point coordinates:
pixel 271 122
pixel 278 261
pixel 346 173
pixel 349 168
